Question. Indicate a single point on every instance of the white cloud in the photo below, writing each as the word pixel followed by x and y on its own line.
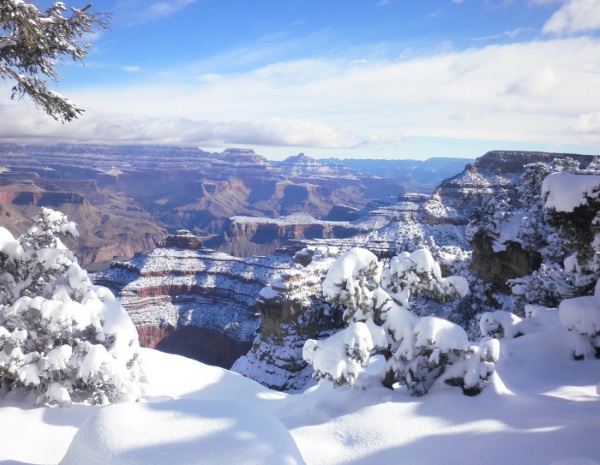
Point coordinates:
pixel 587 124
pixel 25 123
pixel 528 93
pixel 573 17
pixel 132 69
pixel 161 9
pixel 545 2
pixel 513 33
pixel 383 2
pixel 539 83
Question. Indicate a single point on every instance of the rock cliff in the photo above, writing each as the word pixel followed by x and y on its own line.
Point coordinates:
pixel 245 236
pixel 194 301
pixel 495 172
pixel 292 310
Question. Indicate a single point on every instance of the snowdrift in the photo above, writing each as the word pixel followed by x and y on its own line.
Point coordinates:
pixel 541 408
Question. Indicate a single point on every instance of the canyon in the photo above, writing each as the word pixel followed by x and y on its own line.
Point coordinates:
pixel 220 257
pixel 127 199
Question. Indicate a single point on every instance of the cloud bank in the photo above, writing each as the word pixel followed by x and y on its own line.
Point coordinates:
pixel 542 91
pixel 530 92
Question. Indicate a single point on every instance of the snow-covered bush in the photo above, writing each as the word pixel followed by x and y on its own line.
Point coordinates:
pixel 581 317
pixel 59 334
pixel 573 209
pixel 534 232
pixel 417 274
pixel 546 286
pixel 346 351
pixel 351 280
pixel 418 350
pixel 488 213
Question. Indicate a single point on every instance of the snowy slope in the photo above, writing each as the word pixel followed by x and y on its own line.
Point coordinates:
pixel 541 408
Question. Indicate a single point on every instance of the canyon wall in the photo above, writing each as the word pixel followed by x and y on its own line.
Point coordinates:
pixel 126 199
pixel 193 301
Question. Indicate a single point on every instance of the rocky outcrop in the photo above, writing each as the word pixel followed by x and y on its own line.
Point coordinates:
pixel 498 267
pixel 246 236
pixel 151 336
pixel 207 345
pixel 183 239
pixel 292 310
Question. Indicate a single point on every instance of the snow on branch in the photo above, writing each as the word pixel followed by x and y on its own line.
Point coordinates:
pixel 34 42
pixel 418 351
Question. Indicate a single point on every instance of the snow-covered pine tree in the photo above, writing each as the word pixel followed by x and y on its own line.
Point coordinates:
pixel 573 209
pixel 32 42
pixel 60 335
pixel 534 232
pixel 418 350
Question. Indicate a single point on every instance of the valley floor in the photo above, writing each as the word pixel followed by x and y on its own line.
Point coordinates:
pixel 542 408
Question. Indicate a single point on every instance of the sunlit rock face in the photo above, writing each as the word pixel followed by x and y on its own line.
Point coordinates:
pixel 292 310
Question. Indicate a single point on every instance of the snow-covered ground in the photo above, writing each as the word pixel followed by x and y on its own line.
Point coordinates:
pixel 541 407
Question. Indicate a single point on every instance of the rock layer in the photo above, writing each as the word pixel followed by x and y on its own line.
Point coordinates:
pixel 193 301
pixel 125 198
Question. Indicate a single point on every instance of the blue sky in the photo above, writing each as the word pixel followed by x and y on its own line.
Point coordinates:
pixel 333 78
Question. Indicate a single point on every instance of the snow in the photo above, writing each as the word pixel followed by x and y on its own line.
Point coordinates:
pixel 425 263
pixel 507 230
pixel 9 245
pixel 345 272
pixel 341 356
pixel 566 191
pixel 441 334
pixel 541 408
pixel 297 218
pixel 268 293
pixel 183 431
pixel 500 322
pixel 59 356
pixel 459 283
pixel 581 314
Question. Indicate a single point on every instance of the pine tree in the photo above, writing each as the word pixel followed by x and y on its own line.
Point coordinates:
pixel 418 350
pixel 60 335
pixel 32 42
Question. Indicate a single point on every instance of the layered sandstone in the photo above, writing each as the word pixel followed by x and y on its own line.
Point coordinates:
pixel 193 301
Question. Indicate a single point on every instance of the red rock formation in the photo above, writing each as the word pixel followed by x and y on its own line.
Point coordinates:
pixel 122 196
pixel 151 336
